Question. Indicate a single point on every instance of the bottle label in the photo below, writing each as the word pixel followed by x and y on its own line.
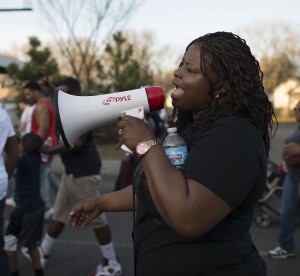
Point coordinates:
pixel 177 156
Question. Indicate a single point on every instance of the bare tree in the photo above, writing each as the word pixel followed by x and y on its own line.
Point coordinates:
pixel 273 38
pixel 81 29
pixel 160 60
pixel 276 70
pixel 277 46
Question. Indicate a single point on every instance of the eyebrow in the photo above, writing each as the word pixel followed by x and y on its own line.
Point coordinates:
pixel 188 63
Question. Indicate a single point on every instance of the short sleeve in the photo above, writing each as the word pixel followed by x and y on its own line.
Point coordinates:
pixel 6 124
pixel 228 160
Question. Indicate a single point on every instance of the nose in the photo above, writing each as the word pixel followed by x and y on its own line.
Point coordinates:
pixel 177 73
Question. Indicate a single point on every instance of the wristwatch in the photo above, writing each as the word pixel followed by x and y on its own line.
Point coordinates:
pixel 143 147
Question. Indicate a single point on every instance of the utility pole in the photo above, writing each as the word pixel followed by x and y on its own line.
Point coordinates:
pixel 15 9
pixel 26 7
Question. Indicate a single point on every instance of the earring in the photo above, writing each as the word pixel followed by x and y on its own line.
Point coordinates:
pixel 221 93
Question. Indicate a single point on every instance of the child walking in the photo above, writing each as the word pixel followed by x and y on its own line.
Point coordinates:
pixel 26 221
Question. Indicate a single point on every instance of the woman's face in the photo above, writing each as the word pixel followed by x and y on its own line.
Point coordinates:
pixel 192 93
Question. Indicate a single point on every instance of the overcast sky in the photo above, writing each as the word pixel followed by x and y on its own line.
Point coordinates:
pixel 173 22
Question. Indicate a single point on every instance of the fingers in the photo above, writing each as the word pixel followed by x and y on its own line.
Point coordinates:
pixel 76 216
pixel 128 121
pixel 79 221
pixel 132 130
pixel 84 212
pixel 129 125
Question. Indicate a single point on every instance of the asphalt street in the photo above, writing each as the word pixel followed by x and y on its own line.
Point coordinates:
pixel 76 252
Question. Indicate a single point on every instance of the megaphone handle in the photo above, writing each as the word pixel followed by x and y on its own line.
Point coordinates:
pixel 125 148
pixel 137 112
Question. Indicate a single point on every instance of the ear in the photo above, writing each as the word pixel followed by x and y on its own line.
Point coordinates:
pixel 219 88
pixel 220 94
pixel 220 91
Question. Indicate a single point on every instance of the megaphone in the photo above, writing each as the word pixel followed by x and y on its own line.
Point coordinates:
pixel 76 115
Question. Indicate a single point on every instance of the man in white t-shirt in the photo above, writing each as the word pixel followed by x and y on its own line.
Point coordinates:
pixel 8 161
pixel 25 120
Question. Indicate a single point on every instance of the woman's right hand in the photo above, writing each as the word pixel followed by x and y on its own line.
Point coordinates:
pixel 84 212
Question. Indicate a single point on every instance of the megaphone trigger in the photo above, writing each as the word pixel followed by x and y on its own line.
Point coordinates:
pixel 137 112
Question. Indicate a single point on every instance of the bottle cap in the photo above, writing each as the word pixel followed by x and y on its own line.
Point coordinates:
pixel 172 129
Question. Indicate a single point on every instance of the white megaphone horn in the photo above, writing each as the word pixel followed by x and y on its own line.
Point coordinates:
pixel 76 115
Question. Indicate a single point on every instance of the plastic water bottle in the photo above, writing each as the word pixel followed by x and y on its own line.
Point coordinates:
pixel 48 142
pixel 175 147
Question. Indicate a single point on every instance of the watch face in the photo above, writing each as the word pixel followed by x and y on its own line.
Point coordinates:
pixel 142 148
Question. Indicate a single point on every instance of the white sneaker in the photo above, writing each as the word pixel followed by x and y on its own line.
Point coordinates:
pixel 280 253
pixel 10 202
pixel 108 268
pixel 43 259
pixel 48 214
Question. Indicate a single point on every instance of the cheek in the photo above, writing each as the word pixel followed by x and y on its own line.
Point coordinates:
pixel 199 100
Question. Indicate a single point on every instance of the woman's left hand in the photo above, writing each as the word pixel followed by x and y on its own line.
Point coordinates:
pixel 133 130
pixel 84 212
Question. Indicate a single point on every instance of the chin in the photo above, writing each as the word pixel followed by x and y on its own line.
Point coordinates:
pixel 176 104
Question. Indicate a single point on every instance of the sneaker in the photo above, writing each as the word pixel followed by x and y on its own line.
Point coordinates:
pixel 108 268
pixel 280 253
pixel 48 214
pixel 10 202
pixel 43 258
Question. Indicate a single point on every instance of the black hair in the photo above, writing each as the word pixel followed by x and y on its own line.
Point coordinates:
pixel 31 143
pixel 33 85
pixel 72 83
pixel 230 58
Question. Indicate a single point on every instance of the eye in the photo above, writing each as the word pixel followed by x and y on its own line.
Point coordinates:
pixel 180 64
pixel 190 70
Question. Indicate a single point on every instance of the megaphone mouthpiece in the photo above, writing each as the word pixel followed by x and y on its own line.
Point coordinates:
pixel 155 97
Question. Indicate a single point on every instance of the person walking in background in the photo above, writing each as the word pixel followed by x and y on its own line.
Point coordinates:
pixel 290 198
pixel 27 219
pixel 25 119
pixel 196 220
pixel 8 161
pixel 23 128
pixel 80 180
pixel 43 124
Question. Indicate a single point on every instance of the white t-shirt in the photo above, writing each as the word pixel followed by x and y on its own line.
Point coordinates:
pixel 26 119
pixel 6 131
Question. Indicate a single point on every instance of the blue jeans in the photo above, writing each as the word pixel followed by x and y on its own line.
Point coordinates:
pixel 4 269
pixel 290 202
pixel 47 178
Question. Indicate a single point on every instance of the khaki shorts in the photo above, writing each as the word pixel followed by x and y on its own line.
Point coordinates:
pixel 73 190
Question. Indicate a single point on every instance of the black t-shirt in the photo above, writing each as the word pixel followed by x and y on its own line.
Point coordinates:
pixel 83 161
pixel 229 158
pixel 27 188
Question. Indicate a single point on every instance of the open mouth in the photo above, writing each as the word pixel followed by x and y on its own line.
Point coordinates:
pixel 177 93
